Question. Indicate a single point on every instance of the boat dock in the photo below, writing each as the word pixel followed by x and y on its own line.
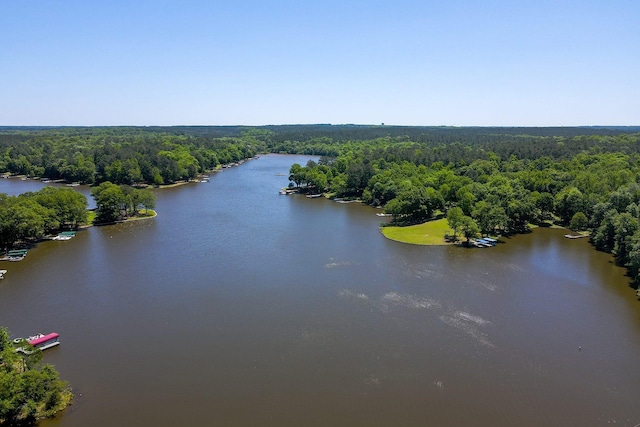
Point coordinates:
pixel 65 235
pixel 575 236
pixel 15 255
pixel 39 341
pixel 485 242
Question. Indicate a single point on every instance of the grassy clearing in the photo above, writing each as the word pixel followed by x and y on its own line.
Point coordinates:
pixel 429 233
pixel 143 214
pixel 91 215
pixel 147 213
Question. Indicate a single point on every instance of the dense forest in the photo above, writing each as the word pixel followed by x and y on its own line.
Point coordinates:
pixel 119 155
pixel 496 180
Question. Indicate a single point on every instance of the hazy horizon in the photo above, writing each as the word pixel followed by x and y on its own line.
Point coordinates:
pixel 390 125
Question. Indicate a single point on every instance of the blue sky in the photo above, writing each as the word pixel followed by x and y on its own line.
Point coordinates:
pixel 458 63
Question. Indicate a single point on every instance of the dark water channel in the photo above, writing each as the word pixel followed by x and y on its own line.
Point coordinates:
pixel 237 306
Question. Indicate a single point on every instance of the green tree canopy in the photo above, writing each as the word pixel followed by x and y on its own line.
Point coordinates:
pixel 579 222
pixel 28 391
pixel 455 219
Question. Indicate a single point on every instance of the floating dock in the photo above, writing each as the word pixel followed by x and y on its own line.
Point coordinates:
pixel 485 242
pixel 65 235
pixel 17 252
pixel 14 255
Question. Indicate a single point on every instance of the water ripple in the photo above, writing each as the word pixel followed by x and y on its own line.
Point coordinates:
pixel 468 323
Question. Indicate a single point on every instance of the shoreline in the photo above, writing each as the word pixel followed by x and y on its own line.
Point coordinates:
pixel 431 233
pixel 135 218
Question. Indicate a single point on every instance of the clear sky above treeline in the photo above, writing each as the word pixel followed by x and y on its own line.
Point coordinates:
pixel 249 62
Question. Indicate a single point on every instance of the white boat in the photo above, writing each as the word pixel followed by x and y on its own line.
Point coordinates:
pixel 2 273
pixel 61 237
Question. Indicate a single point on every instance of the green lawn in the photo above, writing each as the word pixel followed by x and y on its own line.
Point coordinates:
pixel 429 233
pixel 91 215
pixel 147 213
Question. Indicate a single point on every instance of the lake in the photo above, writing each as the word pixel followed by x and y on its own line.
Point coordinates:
pixel 237 306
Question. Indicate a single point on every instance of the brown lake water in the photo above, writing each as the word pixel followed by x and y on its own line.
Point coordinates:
pixel 237 306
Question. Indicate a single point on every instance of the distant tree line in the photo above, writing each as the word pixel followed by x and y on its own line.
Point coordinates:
pixel 163 155
pixel 118 155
